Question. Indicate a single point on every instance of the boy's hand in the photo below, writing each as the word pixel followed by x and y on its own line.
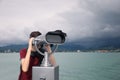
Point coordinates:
pixel 48 48
pixel 30 42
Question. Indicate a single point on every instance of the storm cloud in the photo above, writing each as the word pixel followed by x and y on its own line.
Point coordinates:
pixel 82 20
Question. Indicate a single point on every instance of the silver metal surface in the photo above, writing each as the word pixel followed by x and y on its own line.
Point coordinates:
pixel 45 73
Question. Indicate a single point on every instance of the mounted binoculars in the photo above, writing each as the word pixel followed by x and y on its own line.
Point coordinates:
pixel 52 37
pixel 46 71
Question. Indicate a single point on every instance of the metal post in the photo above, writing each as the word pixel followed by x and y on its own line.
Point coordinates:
pixel 46 62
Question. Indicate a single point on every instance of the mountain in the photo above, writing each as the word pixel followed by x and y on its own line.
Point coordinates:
pixel 64 47
pixel 70 46
pixel 12 48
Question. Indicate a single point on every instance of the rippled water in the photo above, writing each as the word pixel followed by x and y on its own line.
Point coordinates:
pixel 73 66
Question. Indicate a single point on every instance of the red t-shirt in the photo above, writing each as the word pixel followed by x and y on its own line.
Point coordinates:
pixel 34 61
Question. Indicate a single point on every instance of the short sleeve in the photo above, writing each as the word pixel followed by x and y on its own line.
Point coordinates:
pixel 23 53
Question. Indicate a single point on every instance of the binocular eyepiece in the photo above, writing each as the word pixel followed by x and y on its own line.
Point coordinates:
pixel 55 37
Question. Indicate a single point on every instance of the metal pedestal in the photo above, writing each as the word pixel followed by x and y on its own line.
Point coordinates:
pixel 45 73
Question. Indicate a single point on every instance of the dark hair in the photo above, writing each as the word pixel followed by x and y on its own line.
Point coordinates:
pixel 35 34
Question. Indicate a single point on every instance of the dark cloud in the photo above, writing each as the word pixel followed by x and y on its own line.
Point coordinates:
pixel 82 20
pixel 94 19
pixel 111 18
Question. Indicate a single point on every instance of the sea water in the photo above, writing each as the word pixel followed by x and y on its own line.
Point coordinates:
pixel 73 66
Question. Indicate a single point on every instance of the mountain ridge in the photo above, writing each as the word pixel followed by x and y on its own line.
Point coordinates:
pixel 69 46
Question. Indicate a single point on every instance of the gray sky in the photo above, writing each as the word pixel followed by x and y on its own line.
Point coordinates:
pixel 80 19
